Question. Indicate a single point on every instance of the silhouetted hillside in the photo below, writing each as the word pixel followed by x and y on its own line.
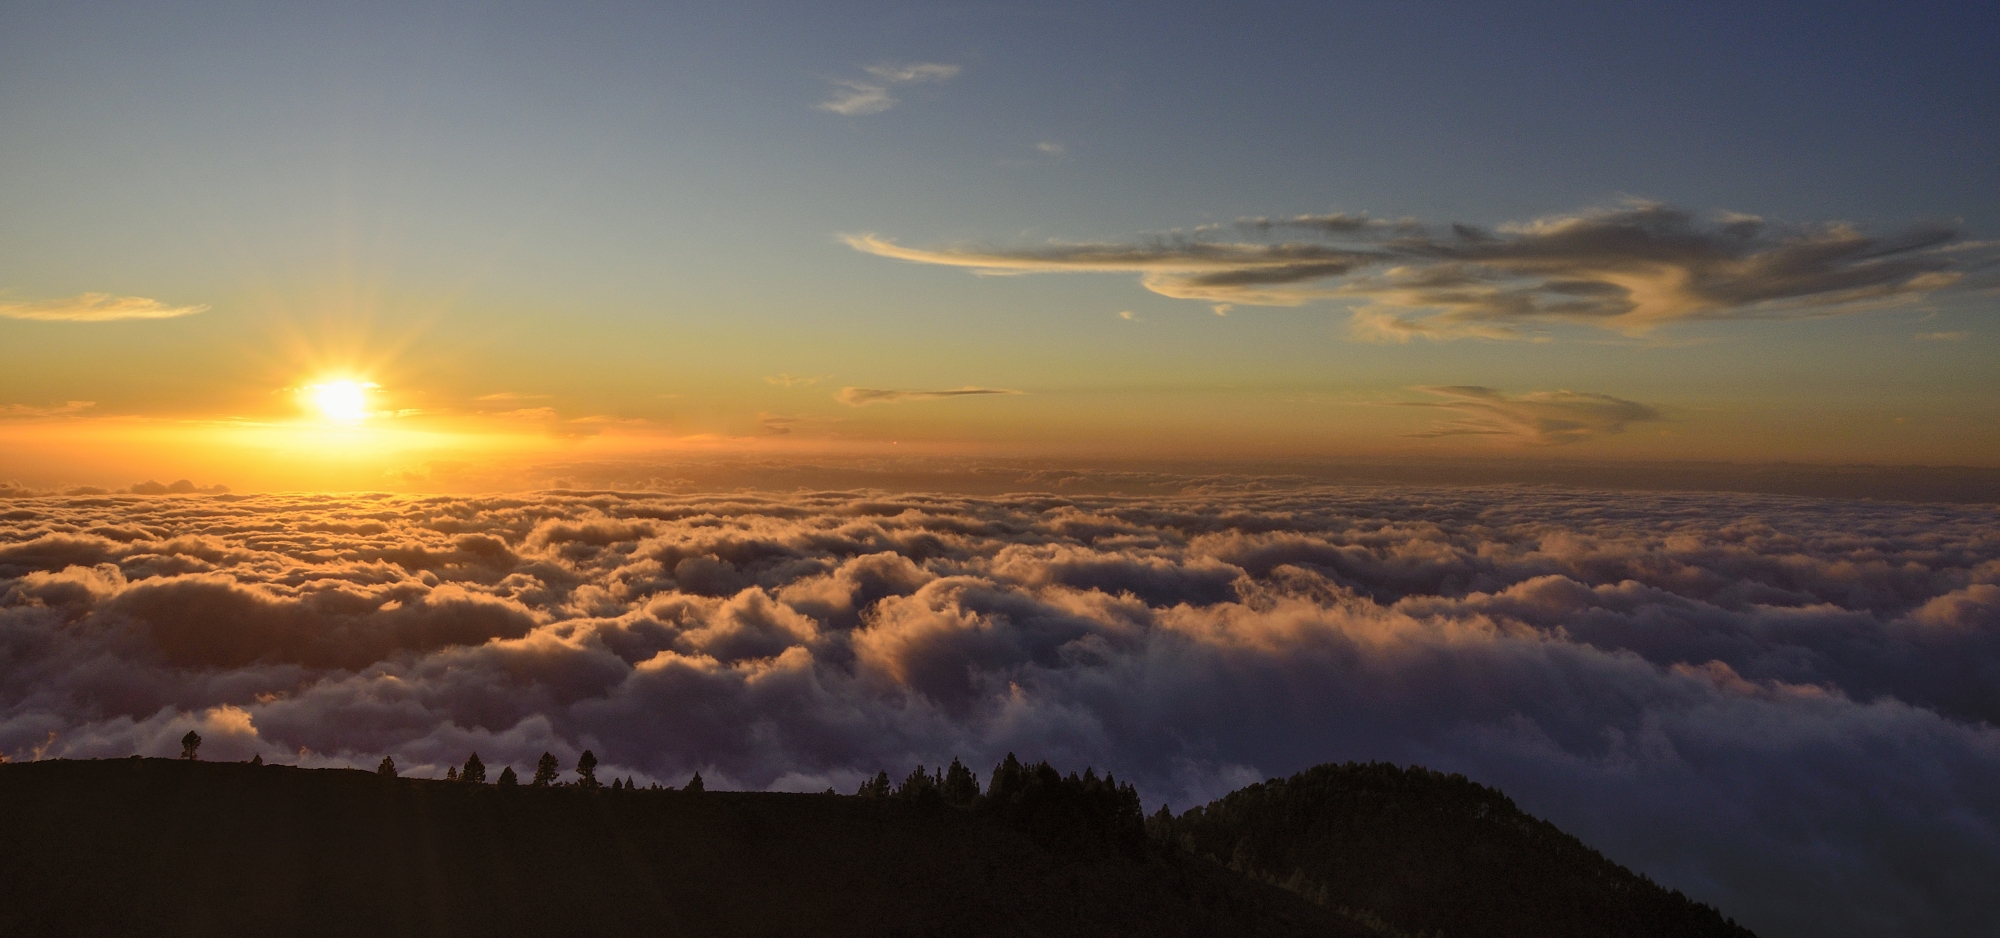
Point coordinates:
pixel 165 847
pixel 171 847
pixel 1421 852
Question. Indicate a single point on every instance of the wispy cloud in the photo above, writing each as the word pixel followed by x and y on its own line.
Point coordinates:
pixel 1628 269
pixel 1943 336
pixel 792 381
pixel 1129 316
pixel 862 397
pixel 1544 417
pixel 504 396
pixel 94 307
pixel 780 424
pixel 913 72
pixel 25 411
pixel 855 97
pixel 1051 148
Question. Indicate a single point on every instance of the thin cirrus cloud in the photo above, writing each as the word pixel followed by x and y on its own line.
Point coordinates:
pixel 1958 336
pixel 780 424
pixel 94 307
pixel 792 380
pixel 29 411
pixel 862 397
pixel 856 97
pixel 1543 417
pixel 1627 269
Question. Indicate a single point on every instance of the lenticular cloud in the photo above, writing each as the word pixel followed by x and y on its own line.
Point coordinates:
pixel 1783 706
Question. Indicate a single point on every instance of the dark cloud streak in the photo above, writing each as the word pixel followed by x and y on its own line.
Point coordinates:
pixel 1631 269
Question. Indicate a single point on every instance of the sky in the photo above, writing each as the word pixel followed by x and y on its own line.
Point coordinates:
pixel 613 233
pixel 1595 399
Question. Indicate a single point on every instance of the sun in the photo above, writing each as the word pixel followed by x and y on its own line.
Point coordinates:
pixel 344 401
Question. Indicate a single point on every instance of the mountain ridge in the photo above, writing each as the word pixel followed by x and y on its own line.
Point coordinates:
pixel 176 847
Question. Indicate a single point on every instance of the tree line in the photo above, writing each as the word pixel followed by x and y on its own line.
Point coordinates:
pixel 1073 810
pixel 548 774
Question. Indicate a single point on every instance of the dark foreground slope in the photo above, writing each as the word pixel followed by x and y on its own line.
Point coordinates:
pixel 1421 852
pixel 161 847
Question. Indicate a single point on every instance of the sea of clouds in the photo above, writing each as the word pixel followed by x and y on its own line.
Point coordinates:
pixel 1783 706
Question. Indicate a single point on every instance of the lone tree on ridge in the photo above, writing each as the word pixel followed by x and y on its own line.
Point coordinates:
pixel 190 743
pixel 586 769
pixel 387 769
pixel 545 771
pixel 507 777
pixel 475 771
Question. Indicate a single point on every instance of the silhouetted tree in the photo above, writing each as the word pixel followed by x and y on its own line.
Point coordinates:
pixel 617 784
pixel 257 759
pixel 586 769
pixel 475 771
pixel 1072 811
pixel 960 785
pixel 451 773
pixel 507 777
pixel 877 787
pixel 1160 827
pixel 694 784
pixel 387 769
pixel 190 743
pixel 545 771
pixel 918 786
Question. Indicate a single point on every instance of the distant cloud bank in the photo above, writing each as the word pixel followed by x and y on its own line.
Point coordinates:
pixel 1628 269
pixel 1783 706
pixel 94 307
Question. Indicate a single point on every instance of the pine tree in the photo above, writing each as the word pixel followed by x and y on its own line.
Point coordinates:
pixel 877 787
pixel 190 743
pixel 451 773
pixel 545 771
pixel 918 786
pixel 387 769
pixel 586 770
pixel 1160 827
pixel 960 785
pixel 507 777
pixel 475 771
pixel 257 759
pixel 694 784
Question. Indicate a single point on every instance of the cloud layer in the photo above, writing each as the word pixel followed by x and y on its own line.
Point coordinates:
pixel 1783 706
pixel 94 307
pixel 1629 269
